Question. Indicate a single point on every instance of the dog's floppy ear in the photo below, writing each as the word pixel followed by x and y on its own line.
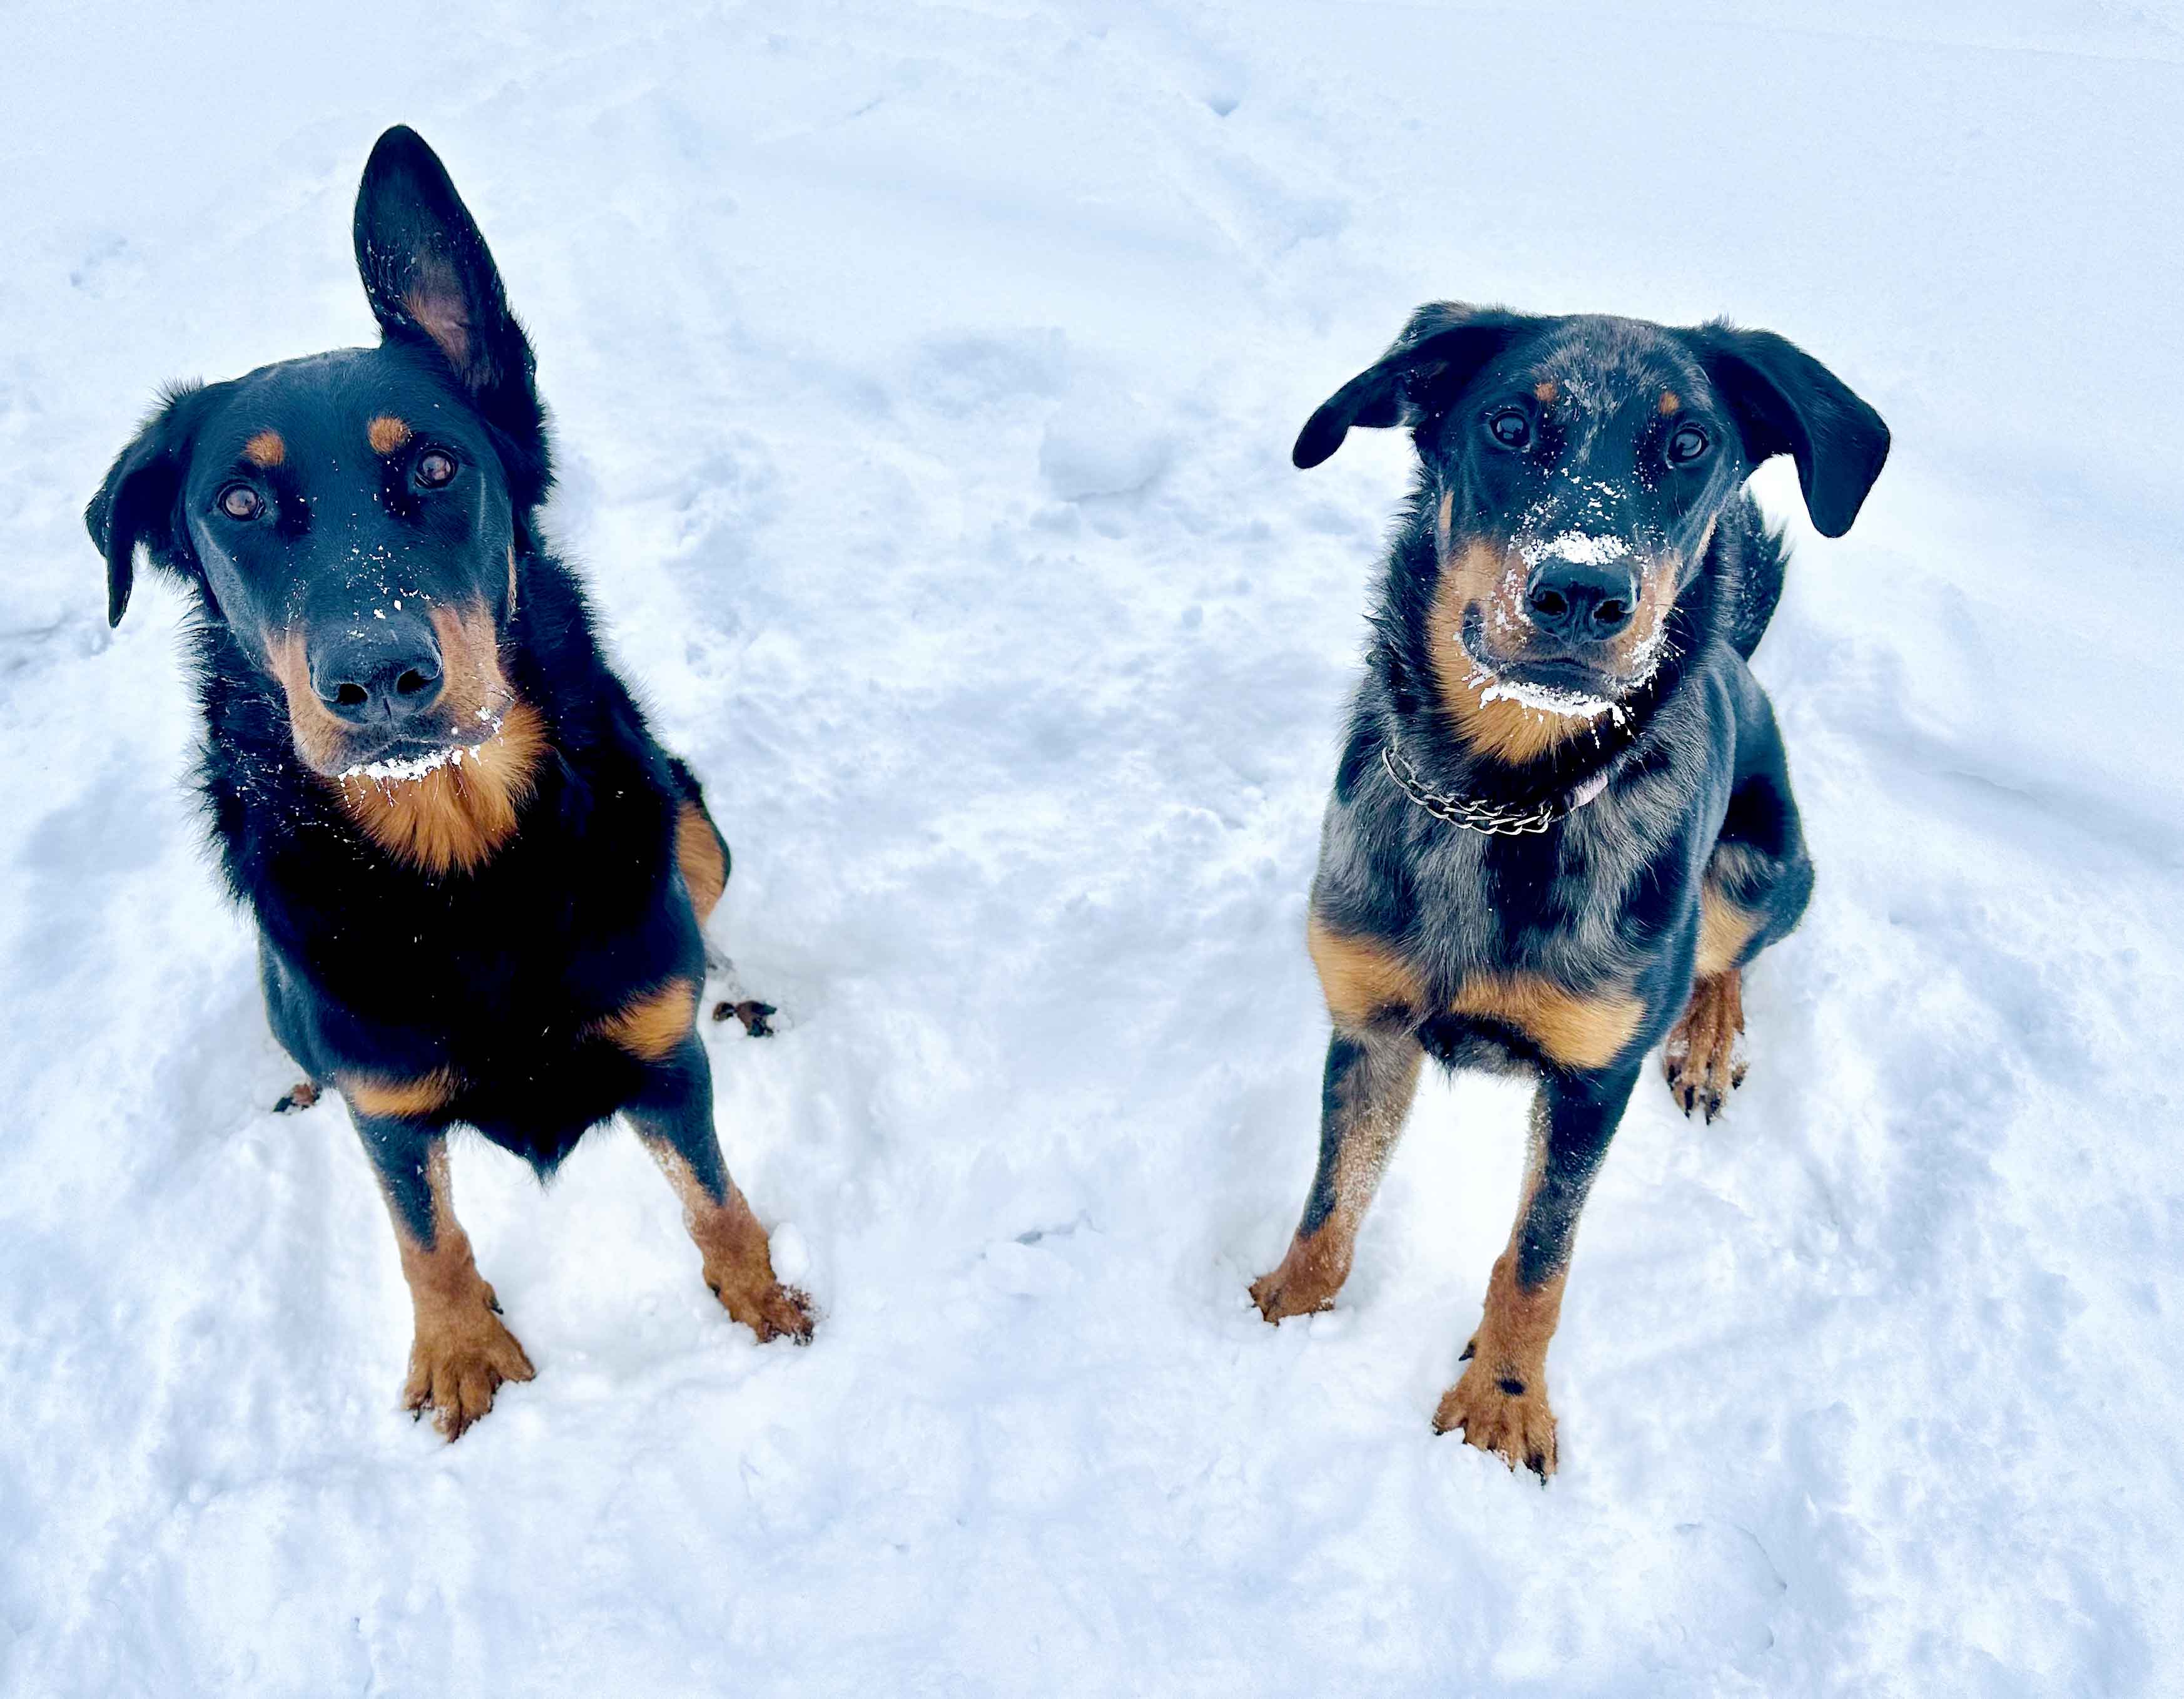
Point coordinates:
pixel 1440 351
pixel 137 502
pixel 431 281
pixel 1786 402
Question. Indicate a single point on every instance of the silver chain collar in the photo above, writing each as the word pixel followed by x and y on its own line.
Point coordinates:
pixel 1497 819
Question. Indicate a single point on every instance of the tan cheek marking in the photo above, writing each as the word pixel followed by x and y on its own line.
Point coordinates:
pixel 1724 930
pixel 698 852
pixel 1671 401
pixel 1576 1029
pixel 265 449
pixel 1361 978
pixel 370 1094
pixel 1478 572
pixel 650 1025
pixel 476 688
pixel 386 434
pixel 320 738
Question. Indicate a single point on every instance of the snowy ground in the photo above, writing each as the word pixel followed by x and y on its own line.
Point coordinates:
pixel 925 378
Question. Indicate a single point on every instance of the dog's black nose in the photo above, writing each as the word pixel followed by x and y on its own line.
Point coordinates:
pixel 1585 601
pixel 382 671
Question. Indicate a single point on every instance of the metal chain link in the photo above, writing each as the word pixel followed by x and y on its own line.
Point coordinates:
pixel 1495 819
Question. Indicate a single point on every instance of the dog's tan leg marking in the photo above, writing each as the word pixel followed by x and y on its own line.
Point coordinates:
pixel 1363 1110
pixel 1577 1029
pixel 1375 997
pixel 737 1263
pixel 1501 1402
pixel 698 852
pixel 1701 1060
pixel 461 1353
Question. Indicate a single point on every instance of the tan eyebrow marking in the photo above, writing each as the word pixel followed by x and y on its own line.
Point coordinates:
pixel 1671 401
pixel 387 434
pixel 265 449
pixel 1545 389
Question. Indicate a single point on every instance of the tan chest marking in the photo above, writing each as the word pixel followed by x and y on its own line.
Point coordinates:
pixel 698 852
pixel 399 1099
pixel 455 817
pixel 1576 1029
pixel 650 1025
pixel 1363 979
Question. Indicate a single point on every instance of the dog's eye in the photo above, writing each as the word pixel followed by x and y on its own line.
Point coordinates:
pixel 435 466
pixel 1686 444
pixel 1510 427
pixel 241 501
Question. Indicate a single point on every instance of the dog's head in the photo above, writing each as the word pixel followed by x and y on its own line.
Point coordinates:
pixel 1574 470
pixel 353 518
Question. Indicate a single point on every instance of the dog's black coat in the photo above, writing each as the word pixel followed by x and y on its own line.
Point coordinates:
pixel 1423 928
pixel 501 981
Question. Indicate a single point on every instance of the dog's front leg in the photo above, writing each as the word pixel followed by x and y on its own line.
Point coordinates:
pixel 674 1117
pixel 1500 1403
pixel 1372 1075
pixel 460 1353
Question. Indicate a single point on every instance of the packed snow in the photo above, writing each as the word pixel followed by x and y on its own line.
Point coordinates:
pixel 924 378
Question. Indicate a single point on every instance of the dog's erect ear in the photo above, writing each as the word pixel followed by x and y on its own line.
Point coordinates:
pixel 431 279
pixel 137 502
pixel 1440 351
pixel 1785 402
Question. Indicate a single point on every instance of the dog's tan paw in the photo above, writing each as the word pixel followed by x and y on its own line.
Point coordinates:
pixel 1304 1283
pixel 459 1361
pixel 1702 1058
pixel 1518 1427
pixel 765 1306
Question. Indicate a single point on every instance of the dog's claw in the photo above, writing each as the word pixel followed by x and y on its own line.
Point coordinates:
pixel 1700 1059
pixel 300 1096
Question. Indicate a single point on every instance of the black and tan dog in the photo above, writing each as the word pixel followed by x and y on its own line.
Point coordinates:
pixel 478 882
pixel 1561 825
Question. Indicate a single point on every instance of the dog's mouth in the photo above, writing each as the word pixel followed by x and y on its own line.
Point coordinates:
pixel 413 754
pixel 1564 683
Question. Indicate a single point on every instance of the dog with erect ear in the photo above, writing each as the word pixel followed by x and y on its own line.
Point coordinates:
pixel 1562 826
pixel 478 880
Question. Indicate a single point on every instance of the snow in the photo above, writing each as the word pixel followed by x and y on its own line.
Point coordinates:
pixel 925 377
pixel 1579 548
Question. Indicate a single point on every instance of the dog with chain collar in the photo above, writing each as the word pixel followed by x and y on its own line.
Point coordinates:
pixel 1561 825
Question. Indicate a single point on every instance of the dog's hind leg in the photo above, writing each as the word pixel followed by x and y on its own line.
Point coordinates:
pixel 1757 883
pixel 674 1117
pixel 1371 1077
pixel 461 1352
pixel 1500 1403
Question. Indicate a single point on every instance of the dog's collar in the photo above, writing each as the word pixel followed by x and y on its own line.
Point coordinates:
pixel 1497 819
